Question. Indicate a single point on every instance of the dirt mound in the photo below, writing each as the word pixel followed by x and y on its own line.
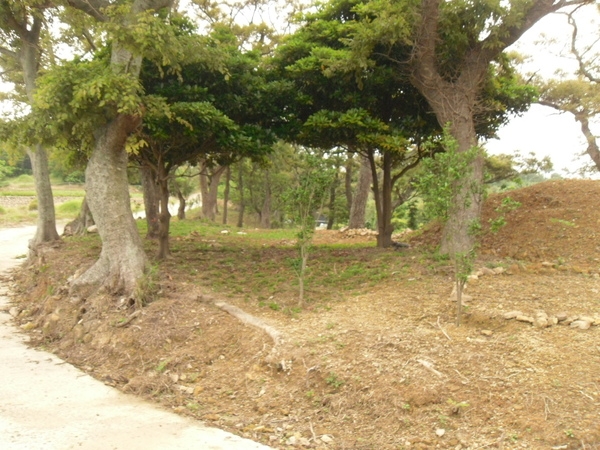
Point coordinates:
pixel 556 222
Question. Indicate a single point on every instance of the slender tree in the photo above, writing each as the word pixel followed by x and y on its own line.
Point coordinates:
pixel 21 33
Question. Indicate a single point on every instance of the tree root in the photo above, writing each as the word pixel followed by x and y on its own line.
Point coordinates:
pixel 274 357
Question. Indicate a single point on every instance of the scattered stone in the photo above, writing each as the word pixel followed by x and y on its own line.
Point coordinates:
pixel 553 320
pixel 304 442
pixel 512 315
pixel 562 316
pixel 487 271
pixel 92 229
pixel 14 311
pixel 522 318
pixel 498 270
pixel 327 439
pixel 487 332
pixel 242 233
pixel 586 319
pixel 541 322
pixel 440 432
pixel 186 389
pixel 581 324
pixel 547 264
pixel 225 232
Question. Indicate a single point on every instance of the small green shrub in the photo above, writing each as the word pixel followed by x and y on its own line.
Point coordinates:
pixel 71 207
pixel 33 205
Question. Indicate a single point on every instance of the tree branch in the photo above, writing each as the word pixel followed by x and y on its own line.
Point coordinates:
pixel 92 8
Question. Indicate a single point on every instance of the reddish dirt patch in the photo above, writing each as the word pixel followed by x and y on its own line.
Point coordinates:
pixel 381 369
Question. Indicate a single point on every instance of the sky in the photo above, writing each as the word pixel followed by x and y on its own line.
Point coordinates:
pixel 542 130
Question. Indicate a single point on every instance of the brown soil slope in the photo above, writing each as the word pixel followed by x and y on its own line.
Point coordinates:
pixel 381 366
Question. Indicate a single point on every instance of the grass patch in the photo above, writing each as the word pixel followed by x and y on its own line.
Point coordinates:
pixel 69 208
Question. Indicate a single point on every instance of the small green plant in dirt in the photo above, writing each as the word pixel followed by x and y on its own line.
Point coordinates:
pixel 564 223
pixel 569 433
pixel 303 200
pixel 334 381
pixel 162 366
pixel 457 407
pixel 507 205
pixel 448 187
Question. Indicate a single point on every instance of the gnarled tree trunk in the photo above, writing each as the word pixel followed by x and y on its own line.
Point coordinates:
pixel 122 261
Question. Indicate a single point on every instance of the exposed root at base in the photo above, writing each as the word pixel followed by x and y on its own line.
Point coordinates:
pixel 273 358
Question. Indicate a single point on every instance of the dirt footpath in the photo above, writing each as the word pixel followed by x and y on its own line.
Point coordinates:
pixel 48 404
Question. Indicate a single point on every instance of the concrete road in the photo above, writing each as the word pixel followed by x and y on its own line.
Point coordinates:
pixel 47 404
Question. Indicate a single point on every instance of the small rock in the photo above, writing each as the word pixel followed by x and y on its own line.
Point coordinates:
pixel 187 390
pixel 92 229
pixel 547 264
pixel 487 271
pixel 487 332
pixel 581 324
pixel 586 319
pixel 540 322
pixel 327 439
pixel 14 311
pixel 304 442
pixel 512 315
pixel 524 319
pixel 562 316
pixel 553 320
pixel 225 231
pixel 440 432
pixel 498 270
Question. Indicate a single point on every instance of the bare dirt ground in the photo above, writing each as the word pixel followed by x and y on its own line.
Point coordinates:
pixel 378 367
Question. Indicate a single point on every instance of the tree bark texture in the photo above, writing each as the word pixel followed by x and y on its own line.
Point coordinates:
pixel 46 221
pixel 226 195
pixel 592 147
pixel 151 204
pixel 164 217
pixel 361 195
pixel 122 261
pixel 240 186
pixel 209 189
pixel 265 212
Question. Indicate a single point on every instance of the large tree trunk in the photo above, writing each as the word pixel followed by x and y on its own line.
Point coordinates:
pixel 150 200
pixel 122 261
pixel 361 195
pixel 46 222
